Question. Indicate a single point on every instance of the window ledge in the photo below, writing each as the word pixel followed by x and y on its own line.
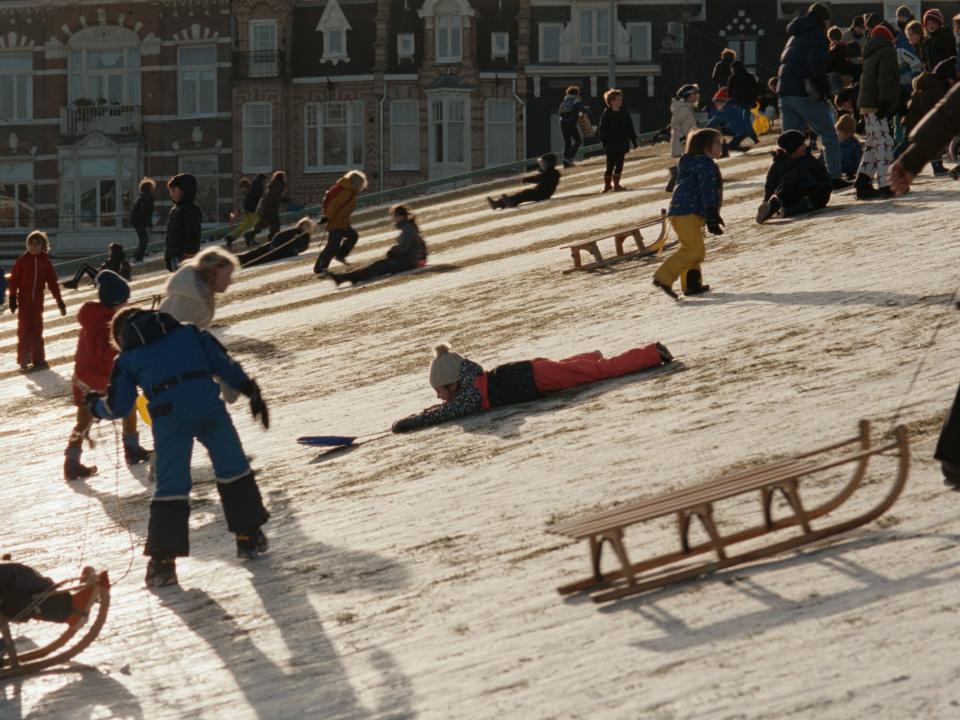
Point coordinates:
pixel 405 168
pixel 334 59
pixel 327 169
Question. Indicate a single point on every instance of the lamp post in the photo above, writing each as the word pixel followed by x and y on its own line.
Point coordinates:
pixel 612 44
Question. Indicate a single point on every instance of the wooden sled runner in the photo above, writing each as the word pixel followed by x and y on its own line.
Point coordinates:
pixel 592 246
pixel 60 650
pixel 697 501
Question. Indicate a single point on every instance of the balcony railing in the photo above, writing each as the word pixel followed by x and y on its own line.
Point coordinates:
pixel 108 119
pixel 259 64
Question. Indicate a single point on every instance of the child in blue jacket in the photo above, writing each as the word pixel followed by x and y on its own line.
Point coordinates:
pixel 175 366
pixel 696 202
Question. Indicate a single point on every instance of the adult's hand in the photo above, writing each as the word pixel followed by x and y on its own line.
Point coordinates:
pixel 899 177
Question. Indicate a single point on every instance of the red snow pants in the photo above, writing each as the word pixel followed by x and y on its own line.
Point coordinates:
pixel 552 375
pixel 30 332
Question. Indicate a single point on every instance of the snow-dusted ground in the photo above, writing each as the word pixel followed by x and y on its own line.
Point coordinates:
pixel 414 577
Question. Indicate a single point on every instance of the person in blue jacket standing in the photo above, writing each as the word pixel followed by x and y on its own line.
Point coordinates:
pixel 803 87
pixel 570 108
pixel 176 366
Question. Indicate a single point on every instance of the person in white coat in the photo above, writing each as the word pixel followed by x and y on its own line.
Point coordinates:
pixel 683 119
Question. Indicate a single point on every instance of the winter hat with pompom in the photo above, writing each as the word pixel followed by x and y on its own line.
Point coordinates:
pixel 112 289
pixel 445 368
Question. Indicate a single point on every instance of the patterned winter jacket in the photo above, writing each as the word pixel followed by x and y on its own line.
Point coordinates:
pixel 699 186
pixel 507 384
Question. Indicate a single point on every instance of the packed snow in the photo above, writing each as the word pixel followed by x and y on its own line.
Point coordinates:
pixel 414 576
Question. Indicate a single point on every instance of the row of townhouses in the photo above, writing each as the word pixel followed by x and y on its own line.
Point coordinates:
pixel 96 95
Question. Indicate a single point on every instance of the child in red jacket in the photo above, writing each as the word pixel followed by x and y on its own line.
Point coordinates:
pixel 93 365
pixel 30 273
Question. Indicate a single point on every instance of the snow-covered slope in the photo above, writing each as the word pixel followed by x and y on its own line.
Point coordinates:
pixel 414 577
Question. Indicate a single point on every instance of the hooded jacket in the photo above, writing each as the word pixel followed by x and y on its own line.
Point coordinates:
pixel 682 121
pixel 742 86
pixel 188 298
pixel 341 206
pixel 699 186
pixel 28 276
pixel 252 198
pixel 880 81
pixel 185 221
pixel 804 58
pixel 616 130
pixel 95 354
pixel 174 364
pixel 805 171
pixel 936 48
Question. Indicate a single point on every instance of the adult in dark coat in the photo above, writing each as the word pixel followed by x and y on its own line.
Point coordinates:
pixel 938 42
pixel 796 181
pixel 803 86
pixel 184 224
pixel 269 207
pixel 617 134
pixel 948 448
pixel 721 71
pixel 927 141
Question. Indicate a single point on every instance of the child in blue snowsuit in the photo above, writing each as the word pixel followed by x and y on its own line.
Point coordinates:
pixel 176 366
pixel 731 119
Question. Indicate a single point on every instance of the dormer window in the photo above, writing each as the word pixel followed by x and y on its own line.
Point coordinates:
pixel 500 45
pixel 334 25
pixel 406 45
pixel 449 32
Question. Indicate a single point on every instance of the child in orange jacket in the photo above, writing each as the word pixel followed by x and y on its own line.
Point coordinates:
pixel 30 273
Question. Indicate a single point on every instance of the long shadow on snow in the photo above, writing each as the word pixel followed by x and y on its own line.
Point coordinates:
pixel 821 298
pixel 313 681
pixel 92 690
pixel 506 422
pixel 872 588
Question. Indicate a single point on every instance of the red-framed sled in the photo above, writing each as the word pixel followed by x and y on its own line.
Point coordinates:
pixel 69 644
pixel 784 476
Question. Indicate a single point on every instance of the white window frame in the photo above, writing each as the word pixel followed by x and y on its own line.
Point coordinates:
pixel 648 27
pixel 541 45
pixel 738 43
pixel 490 141
pixel 329 54
pixel 354 125
pixel 406 46
pixel 131 74
pixel 125 178
pixel 411 141
pixel 19 182
pixel 500 44
pixel 198 69
pixel 208 220
pixel 598 50
pixel 448 26
pixel 262 58
pixel 439 128
pixel 15 75
pixel 249 166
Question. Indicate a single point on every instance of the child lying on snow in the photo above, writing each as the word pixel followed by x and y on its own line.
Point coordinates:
pixel 22 589
pixel 465 388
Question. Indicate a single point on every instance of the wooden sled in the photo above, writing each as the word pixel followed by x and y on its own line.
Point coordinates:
pixel 60 650
pixel 697 501
pixel 592 246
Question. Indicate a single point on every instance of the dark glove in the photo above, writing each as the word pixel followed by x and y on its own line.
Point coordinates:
pixel 90 401
pixel 714 221
pixel 63 308
pixel 322 221
pixel 257 406
pixel 884 110
pixel 13 303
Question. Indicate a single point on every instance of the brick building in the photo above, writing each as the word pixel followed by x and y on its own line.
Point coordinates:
pixel 96 95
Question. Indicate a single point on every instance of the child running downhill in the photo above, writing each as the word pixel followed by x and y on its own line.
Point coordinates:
pixel 696 201
pixel 465 388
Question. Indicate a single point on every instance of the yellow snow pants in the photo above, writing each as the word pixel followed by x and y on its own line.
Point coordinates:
pixel 689 229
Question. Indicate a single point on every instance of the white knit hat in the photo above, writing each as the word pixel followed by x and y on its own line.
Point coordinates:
pixel 445 368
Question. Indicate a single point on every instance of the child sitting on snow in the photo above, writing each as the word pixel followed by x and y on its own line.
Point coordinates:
pixel 696 202
pixel 285 244
pixel 545 182
pixel 466 388
pixel 25 595
pixel 796 182
pixel 851 149
pixel 731 119
pixel 93 364
pixel 682 120
pixel 409 252
pixel 116 262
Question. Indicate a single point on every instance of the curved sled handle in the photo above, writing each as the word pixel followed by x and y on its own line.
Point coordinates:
pixel 339 440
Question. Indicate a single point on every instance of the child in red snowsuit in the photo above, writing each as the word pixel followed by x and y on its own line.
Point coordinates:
pixel 30 273
pixel 93 365
pixel 465 388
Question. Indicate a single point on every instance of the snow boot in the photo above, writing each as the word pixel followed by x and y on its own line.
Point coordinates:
pixel 607 180
pixel 864 189
pixel 616 184
pixel 567 163
pixel 71 284
pixel 665 354
pixel 132 451
pixel 73 469
pixel 666 288
pixel 251 543
pixel 695 284
pixel 768 209
pixel 938 169
pixel 42 365
pixel 228 242
pixel 495 204
pixel 161 571
pixel 673 180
